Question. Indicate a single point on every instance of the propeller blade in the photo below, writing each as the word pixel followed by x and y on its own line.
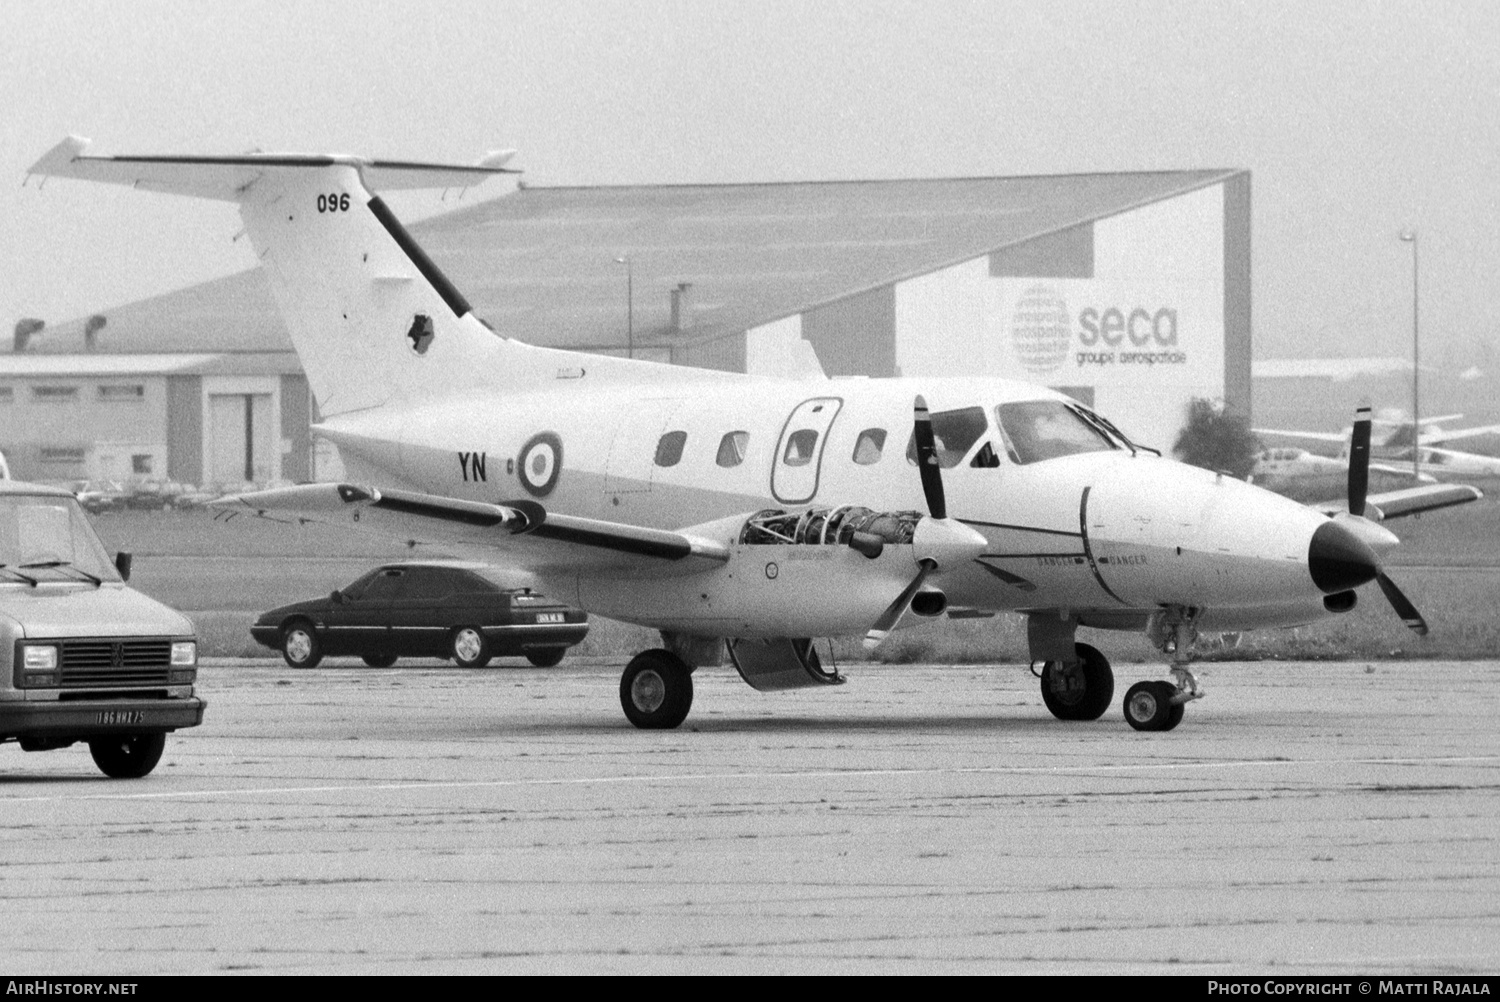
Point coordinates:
pixel 1359 461
pixel 1402 605
pixel 891 617
pixel 927 461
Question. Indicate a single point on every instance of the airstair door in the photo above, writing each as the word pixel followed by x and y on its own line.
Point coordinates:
pixel 799 454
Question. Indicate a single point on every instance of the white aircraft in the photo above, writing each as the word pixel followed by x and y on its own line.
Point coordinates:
pixel 746 513
pixel 1283 463
pixel 1393 441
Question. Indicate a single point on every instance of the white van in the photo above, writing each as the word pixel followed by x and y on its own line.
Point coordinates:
pixel 84 657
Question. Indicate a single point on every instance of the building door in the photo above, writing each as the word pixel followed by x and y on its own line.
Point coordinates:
pixel 241 439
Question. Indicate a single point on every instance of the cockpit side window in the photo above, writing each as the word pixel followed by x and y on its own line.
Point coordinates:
pixel 954 433
pixel 1037 430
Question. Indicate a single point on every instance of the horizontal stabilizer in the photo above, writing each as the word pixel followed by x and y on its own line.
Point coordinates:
pixel 227 178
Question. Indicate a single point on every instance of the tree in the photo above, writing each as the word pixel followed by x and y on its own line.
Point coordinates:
pixel 1217 440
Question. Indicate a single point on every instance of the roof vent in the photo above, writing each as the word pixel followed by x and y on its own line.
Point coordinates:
pixel 26 327
pixel 91 331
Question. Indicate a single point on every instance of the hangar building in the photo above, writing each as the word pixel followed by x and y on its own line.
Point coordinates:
pixel 1130 291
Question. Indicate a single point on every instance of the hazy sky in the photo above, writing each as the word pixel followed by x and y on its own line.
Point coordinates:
pixel 1356 119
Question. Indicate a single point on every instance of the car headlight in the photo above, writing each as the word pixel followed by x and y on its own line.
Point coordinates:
pixel 184 653
pixel 39 658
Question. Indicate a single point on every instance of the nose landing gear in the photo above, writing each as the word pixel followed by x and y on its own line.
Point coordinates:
pixel 1158 706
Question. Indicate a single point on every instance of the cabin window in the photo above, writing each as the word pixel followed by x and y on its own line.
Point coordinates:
pixel 871 445
pixel 54 394
pixel 1037 430
pixel 801 446
pixel 732 448
pixel 7 394
pixel 953 433
pixel 669 448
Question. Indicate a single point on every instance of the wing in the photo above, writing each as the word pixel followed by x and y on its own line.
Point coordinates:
pixel 1437 437
pixel 521 534
pixel 1408 501
pixel 1404 471
pixel 1312 436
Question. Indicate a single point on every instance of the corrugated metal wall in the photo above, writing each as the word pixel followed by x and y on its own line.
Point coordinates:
pixel 296 415
pixel 1238 330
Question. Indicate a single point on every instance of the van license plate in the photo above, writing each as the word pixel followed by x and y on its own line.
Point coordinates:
pixel 122 716
pixel 549 617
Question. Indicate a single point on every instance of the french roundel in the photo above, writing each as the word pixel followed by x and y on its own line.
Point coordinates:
pixel 540 464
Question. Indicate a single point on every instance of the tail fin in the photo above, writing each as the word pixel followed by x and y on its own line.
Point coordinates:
pixel 373 320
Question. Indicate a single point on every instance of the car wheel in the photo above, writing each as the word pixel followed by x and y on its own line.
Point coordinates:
pixel 127 756
pixel 469 647
pixel 299 645
pixel 546 657
pixel 378 660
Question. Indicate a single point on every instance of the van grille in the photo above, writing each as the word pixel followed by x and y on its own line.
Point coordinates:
pixel 115 662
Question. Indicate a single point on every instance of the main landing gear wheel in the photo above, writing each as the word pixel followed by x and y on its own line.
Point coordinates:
pixel 1149 707
pixel 299 645
pixel 469 647
pixel 1081 693
pixel 656 690
pixel 127 756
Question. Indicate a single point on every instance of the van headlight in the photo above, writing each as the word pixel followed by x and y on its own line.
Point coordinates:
pixel 39 657
pixel 184 653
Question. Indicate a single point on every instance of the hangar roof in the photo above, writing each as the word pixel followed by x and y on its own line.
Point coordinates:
pixel 540 263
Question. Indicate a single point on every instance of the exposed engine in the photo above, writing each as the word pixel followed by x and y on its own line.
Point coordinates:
pixel 859 528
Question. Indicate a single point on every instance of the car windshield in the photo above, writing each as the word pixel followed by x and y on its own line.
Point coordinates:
pixel 1036 430
pixel 47 534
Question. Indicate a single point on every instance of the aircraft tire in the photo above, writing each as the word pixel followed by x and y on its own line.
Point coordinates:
pixel 378 660
pixel 1085 702
pixel 299 644
pixel 656 690
pixel 469 647
pixel 1174 716
pixel 1148 706
pixel 127 756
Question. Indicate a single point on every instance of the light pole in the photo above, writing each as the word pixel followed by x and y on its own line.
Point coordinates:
pixel 629 306
pixel 1410 236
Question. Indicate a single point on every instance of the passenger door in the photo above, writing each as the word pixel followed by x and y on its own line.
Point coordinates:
pixel 364 617
pixel 416 614
pixel 799 453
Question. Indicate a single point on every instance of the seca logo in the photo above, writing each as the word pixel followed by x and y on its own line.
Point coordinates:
pixel 1113 325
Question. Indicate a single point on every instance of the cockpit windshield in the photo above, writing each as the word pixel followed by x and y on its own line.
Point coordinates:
pixel 47 536
pixel 1037 430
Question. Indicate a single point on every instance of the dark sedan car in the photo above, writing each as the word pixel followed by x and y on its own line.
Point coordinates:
pixel 438 610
